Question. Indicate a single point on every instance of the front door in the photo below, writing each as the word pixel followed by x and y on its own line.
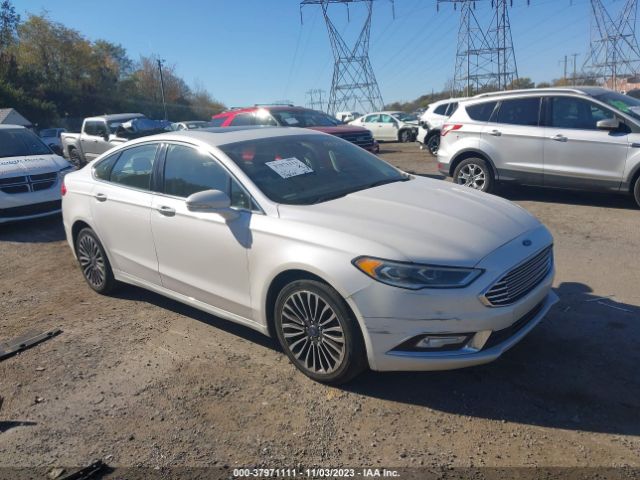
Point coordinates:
pixel 576 153
pixel 121 208
pixel 200 254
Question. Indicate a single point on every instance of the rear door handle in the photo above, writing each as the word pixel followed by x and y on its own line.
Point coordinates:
pixel 101 197
pixel 495 133
pixel 166 211
pixel 559 138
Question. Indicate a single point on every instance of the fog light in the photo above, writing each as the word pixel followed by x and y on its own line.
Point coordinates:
pixel 440 341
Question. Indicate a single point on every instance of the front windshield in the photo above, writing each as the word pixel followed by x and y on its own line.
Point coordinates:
pixel 306 169
pixel 20 143
pixel 622 103
pixel 406 117
pixel 303 118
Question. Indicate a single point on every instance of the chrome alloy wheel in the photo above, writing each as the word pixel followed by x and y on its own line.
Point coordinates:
pixel 91 261
pixel 313 332
pixel 472 175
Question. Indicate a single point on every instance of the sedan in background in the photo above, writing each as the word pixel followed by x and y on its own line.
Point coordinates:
pixel 30 175
pixel 349 262
pixel 390 126
pixel 190 125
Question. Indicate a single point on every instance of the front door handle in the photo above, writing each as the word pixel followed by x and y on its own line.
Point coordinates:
pixel 166 211
pixel 635 145
pixel 495 133
pixel 101 197
pixel 559 138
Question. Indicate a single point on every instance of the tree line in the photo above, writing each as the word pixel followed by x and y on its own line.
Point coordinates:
pixel 54 76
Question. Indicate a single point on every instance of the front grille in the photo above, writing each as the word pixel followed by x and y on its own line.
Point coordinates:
pixel 521 280
pixel 500 336
pixel 33 209
pixel 364 139
pixel 29 183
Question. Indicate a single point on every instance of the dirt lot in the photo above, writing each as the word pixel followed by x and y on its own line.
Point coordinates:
pixel 139 380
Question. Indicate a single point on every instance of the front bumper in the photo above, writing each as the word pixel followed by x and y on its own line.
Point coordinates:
pixel 391 317
pixel 28 205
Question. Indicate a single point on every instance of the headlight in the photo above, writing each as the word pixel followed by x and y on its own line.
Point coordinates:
pixel 415 276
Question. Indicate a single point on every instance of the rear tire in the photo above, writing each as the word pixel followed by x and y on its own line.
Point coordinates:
pixel 404 136
pixel 318 332
pixel 475 173
pixel 636 191
pixel 433 143
pixel 94 263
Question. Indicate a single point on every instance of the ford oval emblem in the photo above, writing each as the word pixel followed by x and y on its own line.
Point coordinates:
pixel 527 243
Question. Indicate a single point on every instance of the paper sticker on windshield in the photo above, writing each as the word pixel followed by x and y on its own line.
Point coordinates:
pixel 291 121
pixel 289 167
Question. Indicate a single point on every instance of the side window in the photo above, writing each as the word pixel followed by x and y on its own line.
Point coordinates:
pixel 520 111
pixel 217 122
pixel 101 129
pixel 386 118
pixel 239 197
pixel 481 112
pixel 576 113
pixel 452 108
pixel 103 169
pixel 441 109
pixel 372 118
pixel 90 128
pixel 242 119
pixel 134 166
pixel 187 171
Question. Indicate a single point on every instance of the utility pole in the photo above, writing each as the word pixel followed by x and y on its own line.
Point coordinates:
pixel 575 56
pixel 485 57
pixel 354 86
pixel 564 74
pixel 164 103
pixel 614 52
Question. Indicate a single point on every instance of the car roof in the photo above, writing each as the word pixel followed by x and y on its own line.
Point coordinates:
pixel 216 136
pixel 9 127
pixel 591 91
pixel 116 116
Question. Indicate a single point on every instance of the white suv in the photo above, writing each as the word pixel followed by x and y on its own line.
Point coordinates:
pixel 431 123
pixel 579 138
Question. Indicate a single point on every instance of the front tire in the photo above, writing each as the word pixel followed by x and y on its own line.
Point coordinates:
pixel 318 332
pixel 75 159
pixel 636 191
pixel 94 263
pixel 474 173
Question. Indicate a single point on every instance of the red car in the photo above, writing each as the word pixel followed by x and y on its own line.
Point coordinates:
pixel 290 116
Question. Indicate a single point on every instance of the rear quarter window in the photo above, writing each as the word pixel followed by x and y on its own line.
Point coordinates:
pixel 481 112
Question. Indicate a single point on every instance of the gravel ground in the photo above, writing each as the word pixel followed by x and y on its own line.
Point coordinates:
pixel 140 380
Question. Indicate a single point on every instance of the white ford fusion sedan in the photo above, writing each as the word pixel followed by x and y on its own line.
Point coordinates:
pixel 303 236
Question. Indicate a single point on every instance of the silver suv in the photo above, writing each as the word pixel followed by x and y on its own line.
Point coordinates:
pixel 578 138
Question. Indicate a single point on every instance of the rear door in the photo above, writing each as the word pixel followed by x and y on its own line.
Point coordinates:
pixel 387 127
pixel 121 209
pixel 514 140
pixel 370 122
pixel 576 153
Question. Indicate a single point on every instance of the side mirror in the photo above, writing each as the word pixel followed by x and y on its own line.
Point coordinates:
pixel 608 124
pixel 213 201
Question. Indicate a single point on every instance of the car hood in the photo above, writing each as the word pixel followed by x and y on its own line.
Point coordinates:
pixel 337 130
pixel 422 220
pixel 31 165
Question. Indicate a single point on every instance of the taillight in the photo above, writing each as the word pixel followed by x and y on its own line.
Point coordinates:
pixel 63 188
pixel 449 127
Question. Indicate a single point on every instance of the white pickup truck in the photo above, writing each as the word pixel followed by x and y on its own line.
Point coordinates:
pixel 100 134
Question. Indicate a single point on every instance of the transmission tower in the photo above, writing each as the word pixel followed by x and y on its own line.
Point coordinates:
pixel 354 86
pixel 614 51
pixel 315 100
pixel 485 57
